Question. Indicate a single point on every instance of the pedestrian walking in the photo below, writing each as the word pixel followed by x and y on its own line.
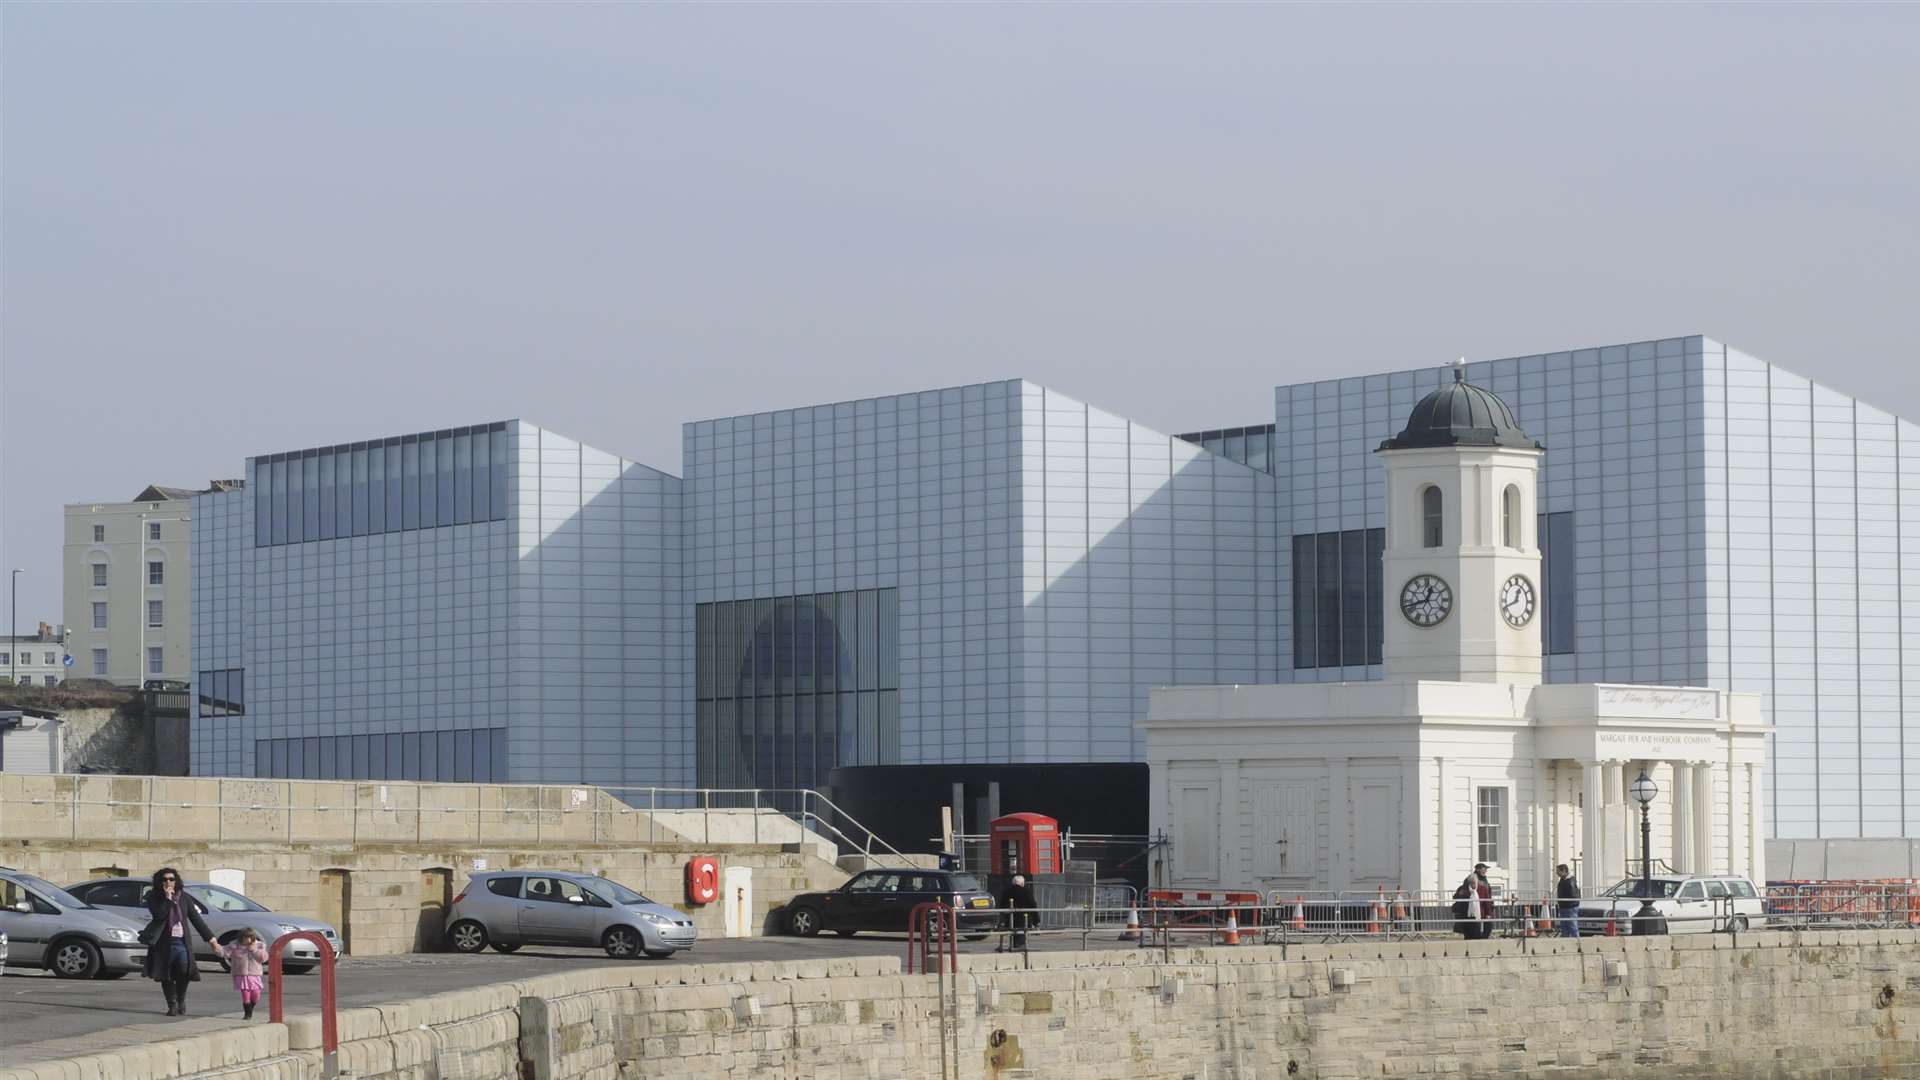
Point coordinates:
pixel 247 959
pixel 1020 906
pixel 1567 897
pixel 169 950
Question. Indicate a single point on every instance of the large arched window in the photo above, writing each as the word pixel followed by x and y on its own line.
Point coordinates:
pixel 1510 517
pixel 1432 527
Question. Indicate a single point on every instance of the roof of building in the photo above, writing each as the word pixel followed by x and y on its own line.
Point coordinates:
pixel 1461 414
pixel 162 493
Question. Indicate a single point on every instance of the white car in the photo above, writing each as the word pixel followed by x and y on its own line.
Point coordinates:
pixel 1691 904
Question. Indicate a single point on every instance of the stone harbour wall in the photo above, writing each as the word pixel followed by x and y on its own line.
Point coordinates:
pixel 1768 1005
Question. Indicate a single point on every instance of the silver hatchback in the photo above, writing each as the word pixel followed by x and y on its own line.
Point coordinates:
pixel 508 909
pixel 47 927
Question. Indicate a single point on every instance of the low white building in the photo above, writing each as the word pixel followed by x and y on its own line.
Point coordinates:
pixel 1460 755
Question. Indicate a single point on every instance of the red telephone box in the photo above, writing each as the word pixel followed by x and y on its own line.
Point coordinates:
pixel 1026 844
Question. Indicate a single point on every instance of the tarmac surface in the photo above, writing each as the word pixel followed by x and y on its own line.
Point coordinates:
pixel 44 1018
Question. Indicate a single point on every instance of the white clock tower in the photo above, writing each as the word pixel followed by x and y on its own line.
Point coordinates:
pixel 1462 585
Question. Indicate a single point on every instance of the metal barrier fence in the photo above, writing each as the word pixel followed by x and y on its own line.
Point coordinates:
pixel 1844 905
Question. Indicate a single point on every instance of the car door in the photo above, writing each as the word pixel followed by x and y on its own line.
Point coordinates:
pixel 555 911
pixel 1688 910
pixel 29 921
pixel 866 895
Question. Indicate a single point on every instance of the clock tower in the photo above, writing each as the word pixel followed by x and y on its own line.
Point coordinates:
pixel 1462 586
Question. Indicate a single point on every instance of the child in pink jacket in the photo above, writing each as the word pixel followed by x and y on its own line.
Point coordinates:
pixel 247 959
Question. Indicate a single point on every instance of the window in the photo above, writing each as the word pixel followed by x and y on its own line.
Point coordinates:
pixel 26 680
pixel 99 615
pixel 156 572
pixel 52 680
pixel 1510 517
pixel 1691 891
pixel 99 574
pixel 1716 890
pixel 504 886
pixel 99 534
pixel 790 688
pixel 1490 825
pixel 26 658
pixel 1742 888
pixel 1556 566
pixel 99 663
pixel 51 659
pixel 1432 521
pixel 153 530
pixel 156 661
pixel 155 611
pixel 1337 597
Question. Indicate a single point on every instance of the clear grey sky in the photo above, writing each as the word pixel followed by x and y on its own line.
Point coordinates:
pixel 237 229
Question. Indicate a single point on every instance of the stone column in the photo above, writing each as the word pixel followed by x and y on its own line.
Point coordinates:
pixel 1592 829
pixel 1683 855
pixel 1618 841
pixel 1756 845
pixel 1703 845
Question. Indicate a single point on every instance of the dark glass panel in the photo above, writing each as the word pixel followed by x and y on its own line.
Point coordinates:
pixel 498 503
pixel 395 488
pixel 1306 584
pixel 1353 597
pixel 262 483
pixel 482 475
pixel 279 471
pixel 328 506
pixel 429 481
pixel 359 491
pixel 462 478
pixel 376 490
pixel 1376 550
pixel 410 485
pixel 1327 557
pixel 296 501
pixel 443 510
pixel 310 465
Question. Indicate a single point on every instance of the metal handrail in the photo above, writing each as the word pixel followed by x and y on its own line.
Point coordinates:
pixel 546 806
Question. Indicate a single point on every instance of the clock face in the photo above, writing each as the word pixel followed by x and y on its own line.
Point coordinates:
pixel 1425 600
pixel 1516 601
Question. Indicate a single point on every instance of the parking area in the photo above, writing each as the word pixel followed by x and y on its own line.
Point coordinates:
pixel 45 1018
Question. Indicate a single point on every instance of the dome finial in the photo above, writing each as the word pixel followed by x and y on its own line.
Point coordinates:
pixel 1460 370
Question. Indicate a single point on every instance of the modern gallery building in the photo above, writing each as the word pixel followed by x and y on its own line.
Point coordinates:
pixel 997 574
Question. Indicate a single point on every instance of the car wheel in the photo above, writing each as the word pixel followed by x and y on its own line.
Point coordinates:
pixel 1738 925
pixel 654 954
pixel 621 942
pixel 803 922
pixel 75 958
pixel 506 946
pixel 467 936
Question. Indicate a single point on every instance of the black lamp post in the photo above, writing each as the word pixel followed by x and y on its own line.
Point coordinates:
pixel 1647 920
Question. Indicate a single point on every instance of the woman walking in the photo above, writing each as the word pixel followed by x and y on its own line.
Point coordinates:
pixel 169 949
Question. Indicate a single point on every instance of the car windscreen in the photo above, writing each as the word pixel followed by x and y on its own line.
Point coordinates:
pixel 968 883
pixel 49 891
pixel 220 899
pixel 612 891
pixel 1636 889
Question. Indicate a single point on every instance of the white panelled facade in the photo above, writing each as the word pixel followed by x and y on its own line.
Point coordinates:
pixel 417 637
pixel 1052 562
pixel 1731 525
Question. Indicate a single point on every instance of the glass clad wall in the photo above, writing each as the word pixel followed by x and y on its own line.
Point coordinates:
pixel 453 477
pixel 787 689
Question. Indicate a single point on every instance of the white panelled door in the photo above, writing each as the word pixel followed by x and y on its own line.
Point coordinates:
pixel 1285 840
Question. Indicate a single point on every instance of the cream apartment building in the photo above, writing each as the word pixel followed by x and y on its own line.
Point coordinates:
pixel 127 581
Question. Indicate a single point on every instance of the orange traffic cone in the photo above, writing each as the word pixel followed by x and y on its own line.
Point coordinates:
pixel 1400 909
pixel 1132 932
pixel 1299 913
pixel 1233 930
pixel 1613 926
pixel 1374 914
pixel 1543 924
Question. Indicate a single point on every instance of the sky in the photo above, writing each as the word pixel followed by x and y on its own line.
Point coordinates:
pixel 234 229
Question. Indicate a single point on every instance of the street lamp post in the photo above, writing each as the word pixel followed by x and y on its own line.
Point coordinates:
pixel 13 625
pixel 1647 920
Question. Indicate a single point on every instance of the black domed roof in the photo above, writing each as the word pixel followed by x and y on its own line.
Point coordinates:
pixel 1461 414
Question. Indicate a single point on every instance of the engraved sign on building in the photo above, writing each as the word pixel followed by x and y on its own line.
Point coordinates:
pixel 1655 745
pixel 1660 701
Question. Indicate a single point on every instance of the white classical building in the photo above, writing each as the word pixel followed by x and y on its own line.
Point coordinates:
pixel 1460 755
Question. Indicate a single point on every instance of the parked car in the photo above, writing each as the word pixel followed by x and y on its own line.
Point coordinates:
pixel 506 910
pixel 48 927
pixel 884 900
pixel 227 913
pixel 1691 904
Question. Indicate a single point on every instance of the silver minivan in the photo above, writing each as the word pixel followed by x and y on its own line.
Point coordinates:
pixel 227 913
pixel 48 927
pixel 508 909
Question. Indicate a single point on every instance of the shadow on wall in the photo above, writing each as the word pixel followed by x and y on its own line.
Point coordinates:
pixel 1180 584
pixel 587 584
